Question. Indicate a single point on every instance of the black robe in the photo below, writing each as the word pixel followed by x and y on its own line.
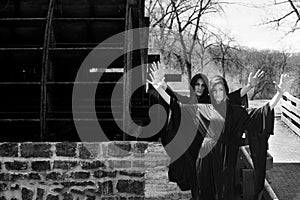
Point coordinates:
pixel 186 179
pixel 216 171
pixel 258 142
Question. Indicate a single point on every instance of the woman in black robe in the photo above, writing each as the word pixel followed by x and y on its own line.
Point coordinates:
pixel 220 125
pixel 217 158
pixel 199 93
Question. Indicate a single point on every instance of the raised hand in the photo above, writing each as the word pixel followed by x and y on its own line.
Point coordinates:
pixel 253 80
pixel 281 88
pixel 158 70
pixel 158 83
pixel 157 75
pixel 284 83
pixel 153 80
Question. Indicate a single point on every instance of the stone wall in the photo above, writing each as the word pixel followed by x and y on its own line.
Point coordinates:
pixel 87 171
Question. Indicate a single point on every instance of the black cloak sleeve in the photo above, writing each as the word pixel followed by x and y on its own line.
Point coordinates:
pixel 261 126
pixel 236 99
pixel 186 128
pixel 176 96
pixel 174 140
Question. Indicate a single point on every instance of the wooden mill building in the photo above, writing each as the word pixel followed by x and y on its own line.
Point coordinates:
pixel 42 46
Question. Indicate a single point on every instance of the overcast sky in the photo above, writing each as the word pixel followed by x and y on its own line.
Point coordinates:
pixel 243 23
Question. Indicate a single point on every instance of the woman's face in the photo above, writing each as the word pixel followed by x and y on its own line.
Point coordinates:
pixel 199 87
pixel 218 93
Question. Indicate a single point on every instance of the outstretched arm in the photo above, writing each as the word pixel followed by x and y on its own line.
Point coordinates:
pixel 281 88
pixel 253 80
pixel 159 86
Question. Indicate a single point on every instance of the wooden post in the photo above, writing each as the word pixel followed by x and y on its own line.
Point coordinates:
pixel 248 184
pixel 128 62
pixel 44 70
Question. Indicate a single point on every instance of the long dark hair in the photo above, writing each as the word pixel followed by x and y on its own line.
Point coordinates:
pixel 204 98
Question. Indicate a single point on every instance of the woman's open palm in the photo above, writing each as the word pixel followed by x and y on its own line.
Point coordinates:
pixel 284 83
pixel 158 71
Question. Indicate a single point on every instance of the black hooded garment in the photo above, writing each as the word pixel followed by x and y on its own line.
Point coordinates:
pixel 188 179
pixel 217 157
pixel 234 96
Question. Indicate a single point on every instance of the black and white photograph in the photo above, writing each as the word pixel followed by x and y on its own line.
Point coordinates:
pixel 150 100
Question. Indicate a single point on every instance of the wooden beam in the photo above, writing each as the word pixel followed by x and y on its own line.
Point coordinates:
pixel 267 191
pixel 288 107
pixel 173 77
pixel 248 184
pixel 290 124
pixel 128 62
pixel 44 70
pixel 291 112
pixel 296 102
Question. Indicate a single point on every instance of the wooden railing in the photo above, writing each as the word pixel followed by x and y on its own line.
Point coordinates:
pixel 291 112
pixel 246 172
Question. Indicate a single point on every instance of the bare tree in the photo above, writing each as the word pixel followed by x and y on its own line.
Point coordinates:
pixel 294 69
pixel 190 24
pixel 273 63
pixel 177 25
pixel 205 40
pixel 223 53
pixel 161 19
pixel 289 14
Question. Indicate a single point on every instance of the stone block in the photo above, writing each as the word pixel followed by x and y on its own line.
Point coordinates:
pixel 102 174
pixel 39 194
pixel 66 165
pixel 36 150
pixel 92 165
pixel 27 194
pixel 67 196
pixel 118 149
pixel 89 150
pixel 55 176
pixel 52 197
pixel 131 186
pixel 90 197
pixel 40 166
pixel 116 164
pixel 105 188
pixel 16 165
pixel 67 149
pixel 80 175
pixel 9 150
pixel 140 147
pixel 3 187
pixel 33 176
pixel 5 176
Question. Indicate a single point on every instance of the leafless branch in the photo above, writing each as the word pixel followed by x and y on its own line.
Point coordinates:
pixel 295 9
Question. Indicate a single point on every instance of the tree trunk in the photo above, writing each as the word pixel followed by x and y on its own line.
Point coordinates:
pixel 189 70
pixel 223 67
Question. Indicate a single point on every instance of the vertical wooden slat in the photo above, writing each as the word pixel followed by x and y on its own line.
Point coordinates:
pixel 248 184
pixel 44 70
pixel 128 44
pixel 134 19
